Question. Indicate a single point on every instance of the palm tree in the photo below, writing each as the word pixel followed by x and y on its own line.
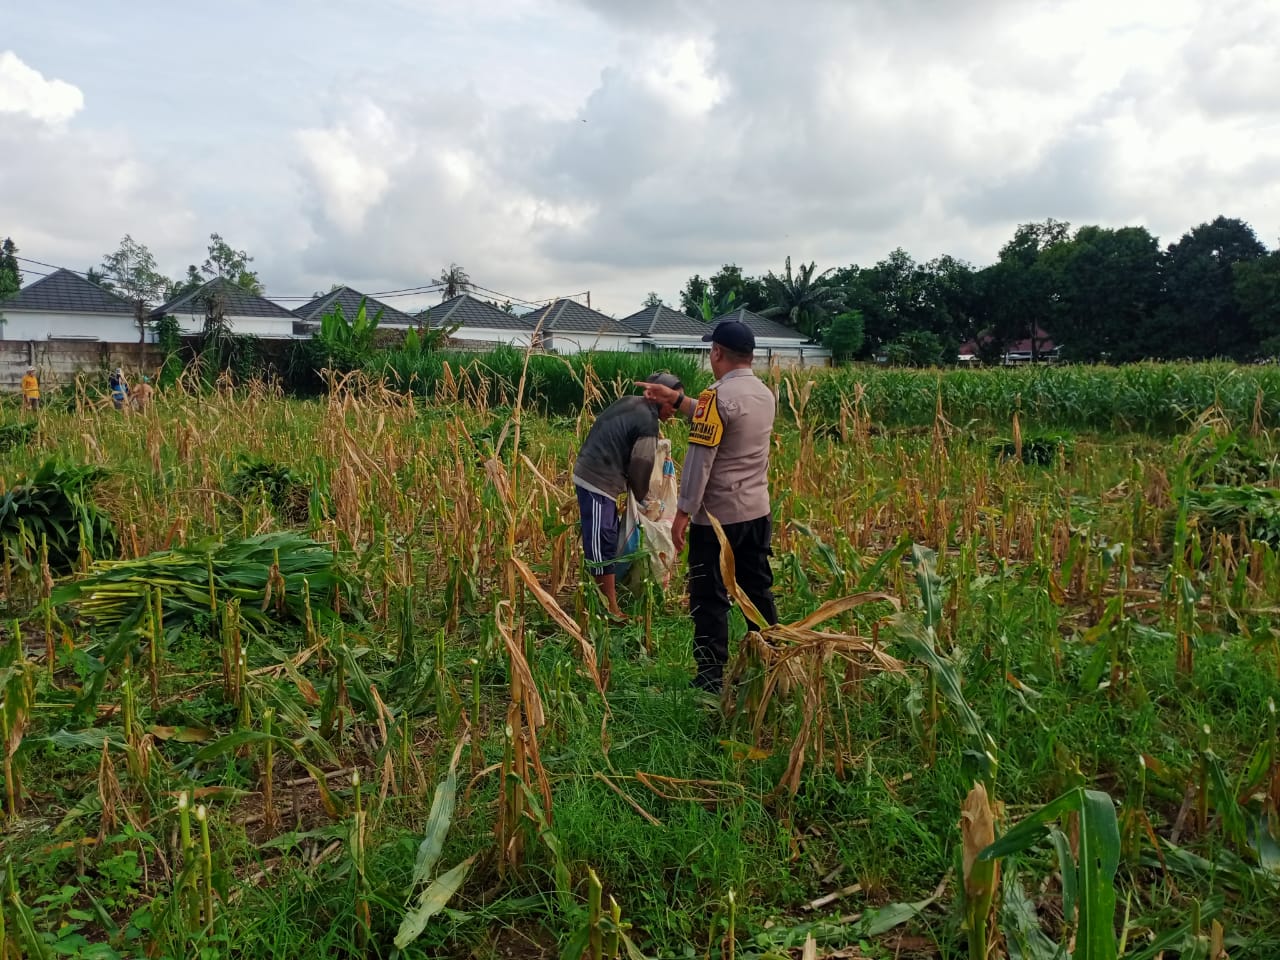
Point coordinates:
pixel 454 281
pixel 802 300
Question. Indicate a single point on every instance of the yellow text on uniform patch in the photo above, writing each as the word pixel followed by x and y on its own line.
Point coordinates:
pixel 706 429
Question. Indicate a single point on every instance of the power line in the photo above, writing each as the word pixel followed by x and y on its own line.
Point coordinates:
pixel 52 266
pixel 399 292
pixel 433 286
pixel 529 303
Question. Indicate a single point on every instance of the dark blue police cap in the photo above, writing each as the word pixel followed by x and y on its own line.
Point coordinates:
pixel 733 334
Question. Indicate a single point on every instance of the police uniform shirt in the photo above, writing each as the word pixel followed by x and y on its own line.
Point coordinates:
pixel 726 468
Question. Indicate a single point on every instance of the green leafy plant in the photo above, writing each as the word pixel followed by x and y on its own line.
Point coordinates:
pixel 18 434
pixel 439 889
pixel 1255 511
pixel 1038 449
pixel 1088 873
pixel 270 574
pixel 168 331
pixel 287 492
pixel 54 506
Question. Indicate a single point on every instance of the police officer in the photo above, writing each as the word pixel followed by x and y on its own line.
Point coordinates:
pixel 726 475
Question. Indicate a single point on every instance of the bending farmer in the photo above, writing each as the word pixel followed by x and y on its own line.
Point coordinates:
pixel 616 459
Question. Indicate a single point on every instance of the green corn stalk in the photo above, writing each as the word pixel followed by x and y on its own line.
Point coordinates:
pixel 189 902
pixel 156 612
pixel 1088 879
pixel 595 937
pixel 206 861
pixel 981 877
pixel 128 706
pixel 35 945
pixel 614 931
pixel 46 606
pixel 731 934
pixel 475 690
pixel 17 698
pixel 363 918
pixel 1202 787
pixel 268 766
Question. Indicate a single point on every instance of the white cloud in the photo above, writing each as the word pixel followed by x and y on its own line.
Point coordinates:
pixel 71 192
pixel 351 162
pixel 26 91
pixel 557 145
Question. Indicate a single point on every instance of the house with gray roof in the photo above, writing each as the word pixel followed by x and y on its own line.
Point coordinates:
pixel 64 305
pixel 247 313
pixel 778 344
pixel 310 314
pixel 665 329
pixel 479 322
pixel 571 327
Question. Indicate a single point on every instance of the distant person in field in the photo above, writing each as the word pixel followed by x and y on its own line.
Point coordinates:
pixel 616 461
pixel 30 390
pixel 143 393
pixel 119 388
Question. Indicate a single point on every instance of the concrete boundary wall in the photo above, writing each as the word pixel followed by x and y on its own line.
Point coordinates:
pixel 57 361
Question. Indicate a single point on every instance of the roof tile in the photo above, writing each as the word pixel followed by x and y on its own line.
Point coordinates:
pixel 763 326
pixel 237 301
pixel 569 316
pixel 349 300
pixel 468 311
pixel 65 292
pixel 660 320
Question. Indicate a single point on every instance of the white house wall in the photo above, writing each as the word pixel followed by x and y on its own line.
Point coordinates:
pixel 569 343
pixel 268 328
pixel 43 324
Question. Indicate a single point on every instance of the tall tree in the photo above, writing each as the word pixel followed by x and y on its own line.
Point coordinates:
pixel 652 299
pixel 950 301
pixel 1203 318
pixel 888 296
pixel 131 272
pixel 1017 289
pixel 230 264
pixel 694 293
pixel 899 296
pixel 1104 290
pixel 731 290
pixel 803 299
pixel 844 336
pixel 10 274
pixel 1257 291
pixel 192 282
pixel 454 281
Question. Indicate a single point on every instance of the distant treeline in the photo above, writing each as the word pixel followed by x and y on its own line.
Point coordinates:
pixel 1103 294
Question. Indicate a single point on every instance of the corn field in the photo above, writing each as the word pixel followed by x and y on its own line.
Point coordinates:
pixel 291 678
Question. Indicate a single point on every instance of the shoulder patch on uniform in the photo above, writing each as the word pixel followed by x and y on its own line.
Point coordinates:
pixel 706 428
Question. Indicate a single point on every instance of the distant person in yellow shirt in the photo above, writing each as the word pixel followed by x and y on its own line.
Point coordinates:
pixel 30 390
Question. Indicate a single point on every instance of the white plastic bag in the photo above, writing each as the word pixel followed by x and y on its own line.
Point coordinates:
pixel 647 527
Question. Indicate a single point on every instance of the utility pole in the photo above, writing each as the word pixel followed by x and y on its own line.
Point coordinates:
pixel 588 299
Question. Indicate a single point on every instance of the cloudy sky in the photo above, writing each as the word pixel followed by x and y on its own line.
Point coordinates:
pixel 556 146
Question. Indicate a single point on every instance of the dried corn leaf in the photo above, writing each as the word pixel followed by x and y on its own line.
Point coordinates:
pixel 520 668
pixel 566 622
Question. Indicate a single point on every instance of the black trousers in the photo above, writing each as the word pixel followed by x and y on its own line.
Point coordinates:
pixel 708 598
